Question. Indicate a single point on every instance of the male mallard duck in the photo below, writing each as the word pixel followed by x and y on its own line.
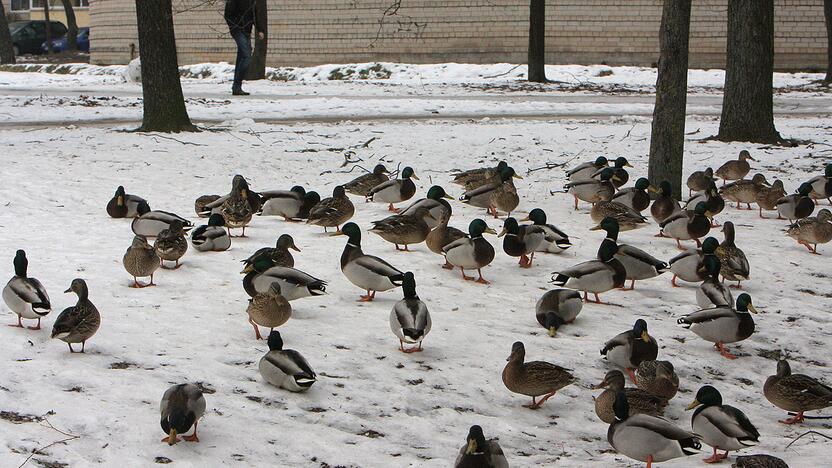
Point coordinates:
pixel 664 206
pixel 714 203
pixel 628 349
pixel 620 174
pixel 472 252
pixel 688 265
pixel 822 185
pixel 640 402
pixel 639 264
pixel 279 254
pixel 395 190
pixel 535 378
pixel 648 438
pixel 593 190
pixel 285 203
pixel 236 209
pixel 310 201
pixel 767 197
pixel 202 202
pixel 744 190
pixel 797 393
pixel 759 461
pixel 141 261
pixel 561 240
pixel 78 323
pixel 441 236
pixel 556 308
pixel 124 205
pixel 480 453
pixel 798 205
pixel 500 195
pixel 813 230
pixel 596 276
pixel 404 229
pixel 635 198
pixel 735 266
pixel 285 368
pixel 151 223
pixel 294 284
pixel 521 241
pixel 585 170
pixel 686 225
pixel 171 244
pixel 25 296
pixel 628 218
pixel 366 271
pixel 699 181
pixel 409 318
pixel 736 169
pixel 723 427
pixel 721 325
pixel 269 309
pixel 182 406
pixel 713 292
pixel 211 237
pixel 333 211
pixel 362 184
pixel 435 204
pixel 474 178
pixel 658 378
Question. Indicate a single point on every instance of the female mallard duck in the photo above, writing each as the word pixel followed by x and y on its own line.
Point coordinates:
pixel 521 241
pixel 474 178
pixel 409 318
pixel 151 223
pixel 561 239
pixel 369 273
pixel 797 393
pixel 535 378
pixel 294 284
pixel 620 174
pixel 211 237
pixel 798 205
pixel 658 378
pixel 699 181
pixel 181 407
pixel 236 209
pixel 25 296
pixel 628 349
pixel 713 292
pixel 635 198
pixel 279 254
pixel 285 203
pixel 648 438
pixel 736 169
pixel 480 453
pixel 285 368
pixel 688 265
pixel 744 191
pixel 435 204
pixel 395 190
pixel 759 461
pixel 628 218
pixel 141 261
pixel 813 230
pixel 723 427
pixel 640 402
pixel 404 229
pixel 124 205
pixel 269 309
pixel 585 170
pixel 596 276
pixel 822 185
pixel 714 203
pixel 735 266
pixel 593 190
pixel 238 183
pixel 664 206
pixel 767 197
pixel 686 225
pixel 362 184
pixel 472 252
pixel 441 236
pixel 78 323
pixel 721 325
pixel 500 195
pixel 171 244
pixel 639 264
pixel 202 202
pixel 556 308
pixel 333 211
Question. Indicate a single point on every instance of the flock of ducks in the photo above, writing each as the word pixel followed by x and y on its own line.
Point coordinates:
pixel 636 428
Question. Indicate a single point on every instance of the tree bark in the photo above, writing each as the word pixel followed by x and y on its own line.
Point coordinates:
pixel 48 25
pixel 827 12
pixel 537 41
pixel 747 105
pixel 164 104
pixel 71 25
pixel 257 69
pixel 667 138
pixel 6 45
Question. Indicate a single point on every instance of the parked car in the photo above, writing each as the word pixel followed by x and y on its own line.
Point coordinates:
pixel 28 36
pixel 62 43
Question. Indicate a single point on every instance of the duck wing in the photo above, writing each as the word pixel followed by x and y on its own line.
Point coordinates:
pixel 377 266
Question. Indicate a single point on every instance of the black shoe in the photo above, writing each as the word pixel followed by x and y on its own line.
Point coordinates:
pixel 239 92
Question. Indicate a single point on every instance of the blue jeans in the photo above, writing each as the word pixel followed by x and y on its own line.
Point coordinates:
pixel 243 57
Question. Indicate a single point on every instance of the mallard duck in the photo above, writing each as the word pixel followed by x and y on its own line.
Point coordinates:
pixel 521 241
pixel 822 185
pixel 813 230
pixel 442 235
pixel 699 181
pixel 238 183
pixel 171 244
pixel 435 204
pixel 25 296
pixel 664 206
pixel 797 393
pixel 181 407
pixel 211 237
pixel 723 427
pixel 124 205
pixel 285 203
pixel 404 229
pixel 236 209
pixel 535 378
pixel 721 325
pixel 798 205
pixel 472 252
pixel 480 453
pixel 687 266
pixel 713 292
pixel 556 308
pixel 759 461
pixel 596 276
pixel 648 438
pixel 639 264
pixel 736 169
pixel 561 239
pixel 141 261
pixel 362 184
pixel 279 254
pixel 202 202
pixel 78 323
pixel 620 174
pixel 714 203
pixel 636 198
pixel 369 273
pixel 294 284
pixel 151 223
pixel 735 266
pixel 409 318
pixel 269 309
pixel 500 195
pixel 744 191
pixel 395 190
pixel 593 190
pixel 333 211
pixel 310 201
pixel 585 170
pixel 767 197
pixel 686 225
pixel 628 218
pixel 628 349
pixel 658 378
pixel 285 368
pixel 474 178
pixel 640 402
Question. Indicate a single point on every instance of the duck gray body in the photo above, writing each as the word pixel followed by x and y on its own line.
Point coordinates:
pixel 210 239
pixel 26 296
pixel 565 303
pixel 641 436
pixel 286 368
pixel 638 264
pixel 140 260
pixel 294 284
pixel 152 223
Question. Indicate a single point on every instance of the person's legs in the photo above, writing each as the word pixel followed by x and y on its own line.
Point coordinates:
pixel 243 59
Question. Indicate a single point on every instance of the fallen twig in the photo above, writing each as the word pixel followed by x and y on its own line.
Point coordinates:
pixel 178 141
pixel 807 433
pixel 40 450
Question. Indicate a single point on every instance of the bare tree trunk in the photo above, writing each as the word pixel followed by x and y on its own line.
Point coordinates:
pixel 667 138
pixel 747 105
pixel 257 68
pixel 6 45
pixel 71 25
pixel 827 12
pixel 164 104
pixel 48 25
pixel 537 41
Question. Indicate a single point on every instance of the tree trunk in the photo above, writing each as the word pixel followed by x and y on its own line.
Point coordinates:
pixel 71 25
pixel 537 41
pixel 667 138
pixel 6 45
pixel 48 25
pixel 164 104
pixel 747 105
pixel 257 68
pixel 827 11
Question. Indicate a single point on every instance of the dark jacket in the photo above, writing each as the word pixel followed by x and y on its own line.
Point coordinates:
pixel 240 16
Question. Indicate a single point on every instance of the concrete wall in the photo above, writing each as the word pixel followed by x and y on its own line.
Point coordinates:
pixel 616 32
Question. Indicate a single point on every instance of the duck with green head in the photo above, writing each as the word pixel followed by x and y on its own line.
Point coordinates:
pixel 521 241
pixel 822 185
pixel 621 176
pixel 798 205
pixel 723 427
pixel 687 225
pixel 26 296
pixel 294 284
pixel 369 273
pixel 688 265
pixel 593 190
pixel 211 237
pixel 472 252
pixel 714 203
pixel 585 170
pixel 721 325
pixel 629 348
pixel 285 203
pixel 409 319
pixel 636 197
pixel 556 241
pixel 500 195
pixel 713 292
pixel 556 308
pixel 479 452
pixel 395 190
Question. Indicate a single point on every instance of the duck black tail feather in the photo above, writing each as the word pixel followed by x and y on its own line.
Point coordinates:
pixel 690 446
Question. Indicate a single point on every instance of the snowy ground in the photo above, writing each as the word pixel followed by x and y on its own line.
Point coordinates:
pixel 372 406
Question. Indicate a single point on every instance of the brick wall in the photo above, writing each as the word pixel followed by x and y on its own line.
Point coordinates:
pixel 616 32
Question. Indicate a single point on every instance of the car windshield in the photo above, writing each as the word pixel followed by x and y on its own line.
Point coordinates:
pixel 14 26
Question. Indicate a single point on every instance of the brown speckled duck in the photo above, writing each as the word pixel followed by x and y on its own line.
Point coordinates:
pixel 78 323
pixel 700 180
pixel 443 235
pixel 744 191
pixel 735 266
pixel 141 261
pixel 496 196
pixel 333 211
pixel 362 184
pixel 641 402
pixel 797 393
pixel 658 378
pixel 767 197
pixel 812 231
pixel 171 244
pixel 269 309
pixel 535 378
pixel 474 178
pixel 736 169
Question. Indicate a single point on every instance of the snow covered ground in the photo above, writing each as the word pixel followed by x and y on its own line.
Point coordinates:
pixel 372 406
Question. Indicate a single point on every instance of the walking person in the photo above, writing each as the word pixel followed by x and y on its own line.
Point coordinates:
pixel 241 15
